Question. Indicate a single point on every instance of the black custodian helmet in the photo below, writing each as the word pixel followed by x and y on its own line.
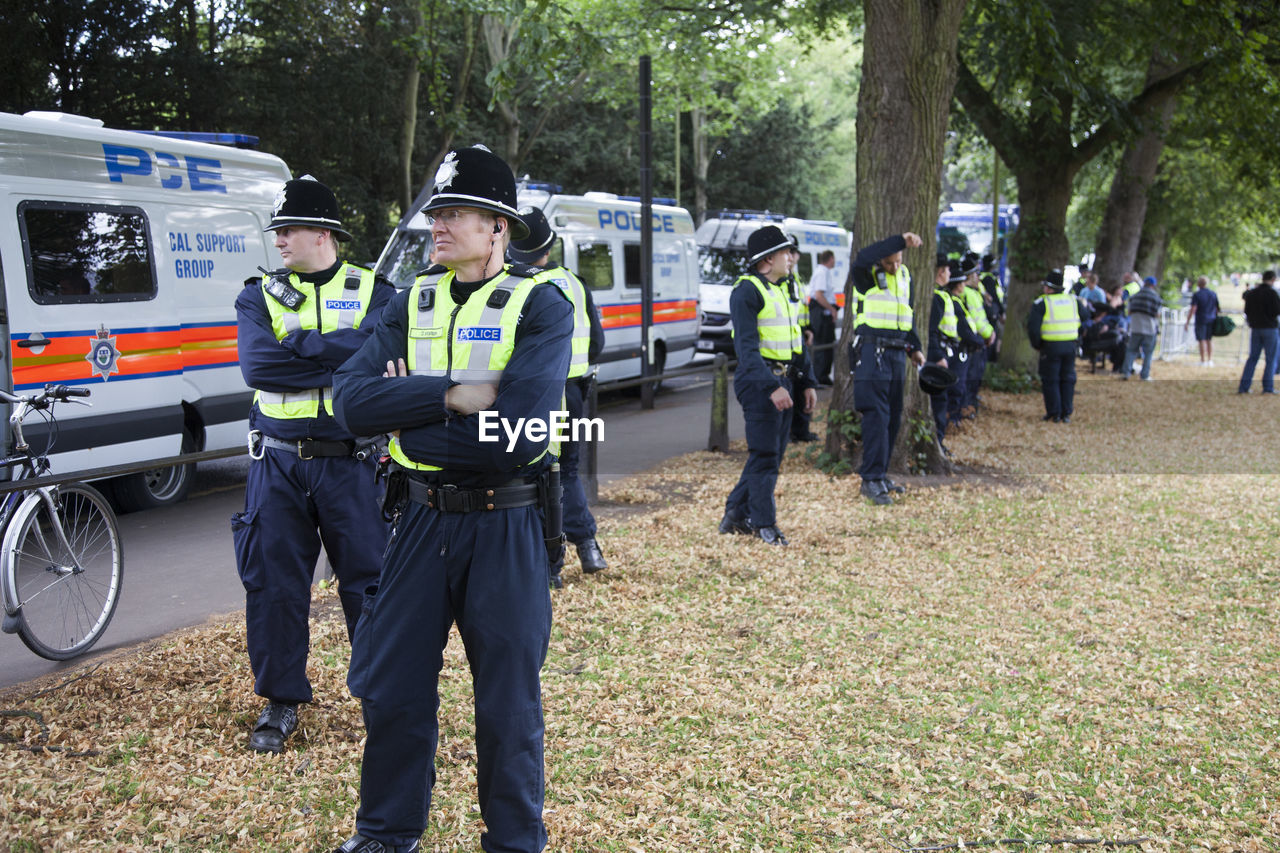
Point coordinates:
pixel 764 242
pixel 476 177
pixel 533 247
pixel 308 203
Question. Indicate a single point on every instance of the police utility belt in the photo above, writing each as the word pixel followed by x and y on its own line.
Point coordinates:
pixel 449 498
pixel 777 368
pixel 308 448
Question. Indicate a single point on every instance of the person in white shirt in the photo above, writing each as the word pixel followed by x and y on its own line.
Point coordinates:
pixel 822 314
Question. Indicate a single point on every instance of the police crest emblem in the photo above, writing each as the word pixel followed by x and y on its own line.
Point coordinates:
pixel 103 355
pixel 447 172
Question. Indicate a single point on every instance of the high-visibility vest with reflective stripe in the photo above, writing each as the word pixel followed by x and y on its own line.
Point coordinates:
pixel 977 312
pixel 469 343
pixel 1061 317
pixel 778 321
pixel 576 291
pixel 888 304
pixel 1132 288
pixel 339 303
pixel 948 326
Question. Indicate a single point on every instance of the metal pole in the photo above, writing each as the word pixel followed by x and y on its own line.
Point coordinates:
pixel 646 233
pixel 590 474
pixel 677 146
pixel 995 208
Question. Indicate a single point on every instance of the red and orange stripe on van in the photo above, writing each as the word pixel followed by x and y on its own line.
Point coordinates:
pixel 144 352
pixel 626 314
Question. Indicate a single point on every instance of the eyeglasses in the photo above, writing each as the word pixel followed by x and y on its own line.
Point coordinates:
pixel 450 216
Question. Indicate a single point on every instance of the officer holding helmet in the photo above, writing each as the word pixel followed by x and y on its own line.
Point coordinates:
pixel 766 340
pixel 1053 327
pixel 309 480
pixel 884 336
pixel 475 522
pixel 588 341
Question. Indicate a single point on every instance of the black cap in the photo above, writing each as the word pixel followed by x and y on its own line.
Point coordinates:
pixel 476 177
pixel 794 242
pixel 1053 280
pixel 765 241
pixel 308 203
pixel 969 263
pixel 529 249
pixel 934 378
pixel 988 263
pixel 941 261
pixel 956 273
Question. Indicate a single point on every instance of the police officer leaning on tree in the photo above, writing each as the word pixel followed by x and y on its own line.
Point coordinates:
pixel 884 337
pixel 1053 327
pixel 766 340
pixel 468 543
pixel 309 480
pixel 588 341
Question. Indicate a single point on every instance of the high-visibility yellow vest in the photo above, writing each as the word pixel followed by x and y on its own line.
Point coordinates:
pixel 888 304
pixel 1132 288
pixel 339 303
pixel 948 326
pixel 977 312
pixel 469 343
pixel 576 291
pixel 778 321
pixel 1061 317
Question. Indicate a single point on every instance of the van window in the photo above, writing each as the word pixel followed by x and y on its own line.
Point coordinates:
pixel 631 255
pixel 805 267
pixel 595 265
pixel 80 253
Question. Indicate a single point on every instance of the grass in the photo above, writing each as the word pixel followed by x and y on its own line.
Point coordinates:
pixel 1080 643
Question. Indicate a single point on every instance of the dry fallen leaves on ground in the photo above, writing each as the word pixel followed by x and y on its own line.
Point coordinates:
pixel 1079 643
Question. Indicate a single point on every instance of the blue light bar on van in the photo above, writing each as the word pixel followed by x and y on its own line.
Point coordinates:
pixel 236 140
pixel 541 186
pixel 749 214
pixel 656 199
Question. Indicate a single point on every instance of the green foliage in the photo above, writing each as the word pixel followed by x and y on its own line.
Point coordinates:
pixel 922 441
pixel 849 428
pixel 1011 380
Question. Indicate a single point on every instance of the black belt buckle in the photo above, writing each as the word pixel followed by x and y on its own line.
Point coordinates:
pixel 449 498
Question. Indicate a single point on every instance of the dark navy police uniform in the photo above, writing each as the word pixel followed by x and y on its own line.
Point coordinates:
pixel 486 570
pixel 306 488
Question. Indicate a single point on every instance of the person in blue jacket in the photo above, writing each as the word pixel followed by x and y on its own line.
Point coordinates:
pixel 884 336
pixel 475 343
pixel 309 481
pixel 588 341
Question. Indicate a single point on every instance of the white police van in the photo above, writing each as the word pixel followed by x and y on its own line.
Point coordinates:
pixel 122 254
pixel 598 237
pixel 722 257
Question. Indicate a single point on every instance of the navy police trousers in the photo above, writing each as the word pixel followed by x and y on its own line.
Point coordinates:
pixel 1058 377
pixel 486 571
pixel 767 432
pixel 292 506
pixel 579 523
pixel 877 395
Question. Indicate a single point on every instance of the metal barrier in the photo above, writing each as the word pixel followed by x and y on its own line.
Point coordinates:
pixel 1173 337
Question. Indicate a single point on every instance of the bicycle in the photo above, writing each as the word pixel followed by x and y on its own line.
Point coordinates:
pixel 61 561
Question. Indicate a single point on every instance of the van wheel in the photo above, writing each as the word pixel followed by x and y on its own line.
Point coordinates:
pixel 155 487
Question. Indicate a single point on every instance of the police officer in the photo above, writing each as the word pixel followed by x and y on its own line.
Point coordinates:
pixel 995 304
pixel 950 337
pixel 975 306
pixel 801 418
pixel 588 341
pixel 309 481
pixel 883 339
pixel 771 358
pixel 1053 327
pixel 469 545
pixel 968 342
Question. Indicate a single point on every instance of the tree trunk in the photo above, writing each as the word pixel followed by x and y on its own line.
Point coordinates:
pixel 701 161
pixel 908 77
pixel 409 118
pixel 1117 243
pixel 1153 249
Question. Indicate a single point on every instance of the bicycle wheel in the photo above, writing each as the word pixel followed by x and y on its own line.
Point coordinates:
pixel 66 585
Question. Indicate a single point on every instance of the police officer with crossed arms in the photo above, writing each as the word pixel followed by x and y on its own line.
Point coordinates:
pixel 468 544
pixel 309 480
